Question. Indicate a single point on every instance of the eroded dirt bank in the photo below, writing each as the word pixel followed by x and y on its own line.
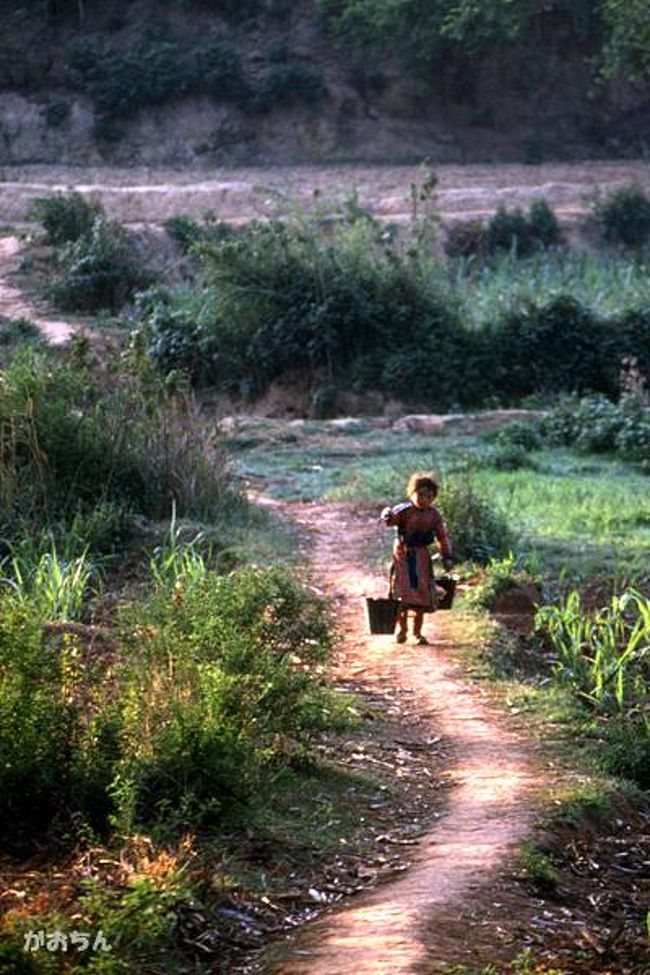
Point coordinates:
pixel 493 775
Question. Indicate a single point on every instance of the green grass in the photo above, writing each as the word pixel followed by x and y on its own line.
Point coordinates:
pixel 603 282
pixel 578 515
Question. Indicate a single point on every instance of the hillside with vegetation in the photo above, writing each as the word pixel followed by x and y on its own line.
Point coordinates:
pixel 191 81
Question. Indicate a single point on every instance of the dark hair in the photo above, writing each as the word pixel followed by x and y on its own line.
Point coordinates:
pixel 422 479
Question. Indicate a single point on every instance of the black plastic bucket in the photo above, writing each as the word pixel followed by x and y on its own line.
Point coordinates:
pixel 382 614
pixel 448 583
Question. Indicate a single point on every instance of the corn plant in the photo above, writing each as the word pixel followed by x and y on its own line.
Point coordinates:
pixel 176 562
pixel 53 585
pixel 603 654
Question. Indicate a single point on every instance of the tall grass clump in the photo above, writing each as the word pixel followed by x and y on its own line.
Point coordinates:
pixel 86 446
pixel 480 530
pixel 51 585
pixel 610 285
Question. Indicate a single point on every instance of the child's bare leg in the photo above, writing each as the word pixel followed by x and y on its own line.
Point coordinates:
pixel 417 626
pixel 402 618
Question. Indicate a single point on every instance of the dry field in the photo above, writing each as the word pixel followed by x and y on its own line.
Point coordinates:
pixel 150 196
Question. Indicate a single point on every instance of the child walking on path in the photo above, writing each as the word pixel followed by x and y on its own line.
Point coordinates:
pixel 418 523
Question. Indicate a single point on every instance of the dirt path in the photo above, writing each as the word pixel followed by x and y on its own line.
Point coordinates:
pixel 400 927
pixel 14 304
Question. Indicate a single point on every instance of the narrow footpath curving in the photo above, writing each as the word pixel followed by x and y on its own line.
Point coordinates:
pixel 398 927
pixel 13 302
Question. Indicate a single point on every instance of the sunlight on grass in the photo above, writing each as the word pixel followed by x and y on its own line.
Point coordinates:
pixel 584 520
pixel 579 515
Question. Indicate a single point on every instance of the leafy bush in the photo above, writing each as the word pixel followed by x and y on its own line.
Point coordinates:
pixel 98 270
pixel 219 73
pixel 56 112
pixel 352 306
pixel 205 733
pixel 287 296
pixel 595 423
pixel 500 575
pixel 213 678
pixel 16 332
pixel 519 434
pixel 509 457
pixel 512 230
pixel 543 224
pixel 175 332
pixel 506 230
pixel 479 530
pixel 65 217
pixel 188 232
pixel 623 216
pixel 155 70
pixel 288 81
pixel 553 347
pixel 467 238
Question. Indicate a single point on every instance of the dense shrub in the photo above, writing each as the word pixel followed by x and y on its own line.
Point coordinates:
pixel 550 348
pixel 98 270
pixel 17 332
pixel 209 684
pixel 518 434
pixel 247 650
pixel 218 72
pixel 188 232
pixel 623 216
pixel 595 424
pixel 289 296
pixel 65 217
pixel 155 70
pixel 506 230
pixel 357 308
pixel 513 230
pixel 175 332
pixel 287 81
pixel 467 238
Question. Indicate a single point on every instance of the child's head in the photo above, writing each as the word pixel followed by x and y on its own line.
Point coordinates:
pixel 422 488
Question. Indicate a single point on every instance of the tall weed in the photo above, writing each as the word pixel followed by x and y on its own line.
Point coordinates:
pixel 86 443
